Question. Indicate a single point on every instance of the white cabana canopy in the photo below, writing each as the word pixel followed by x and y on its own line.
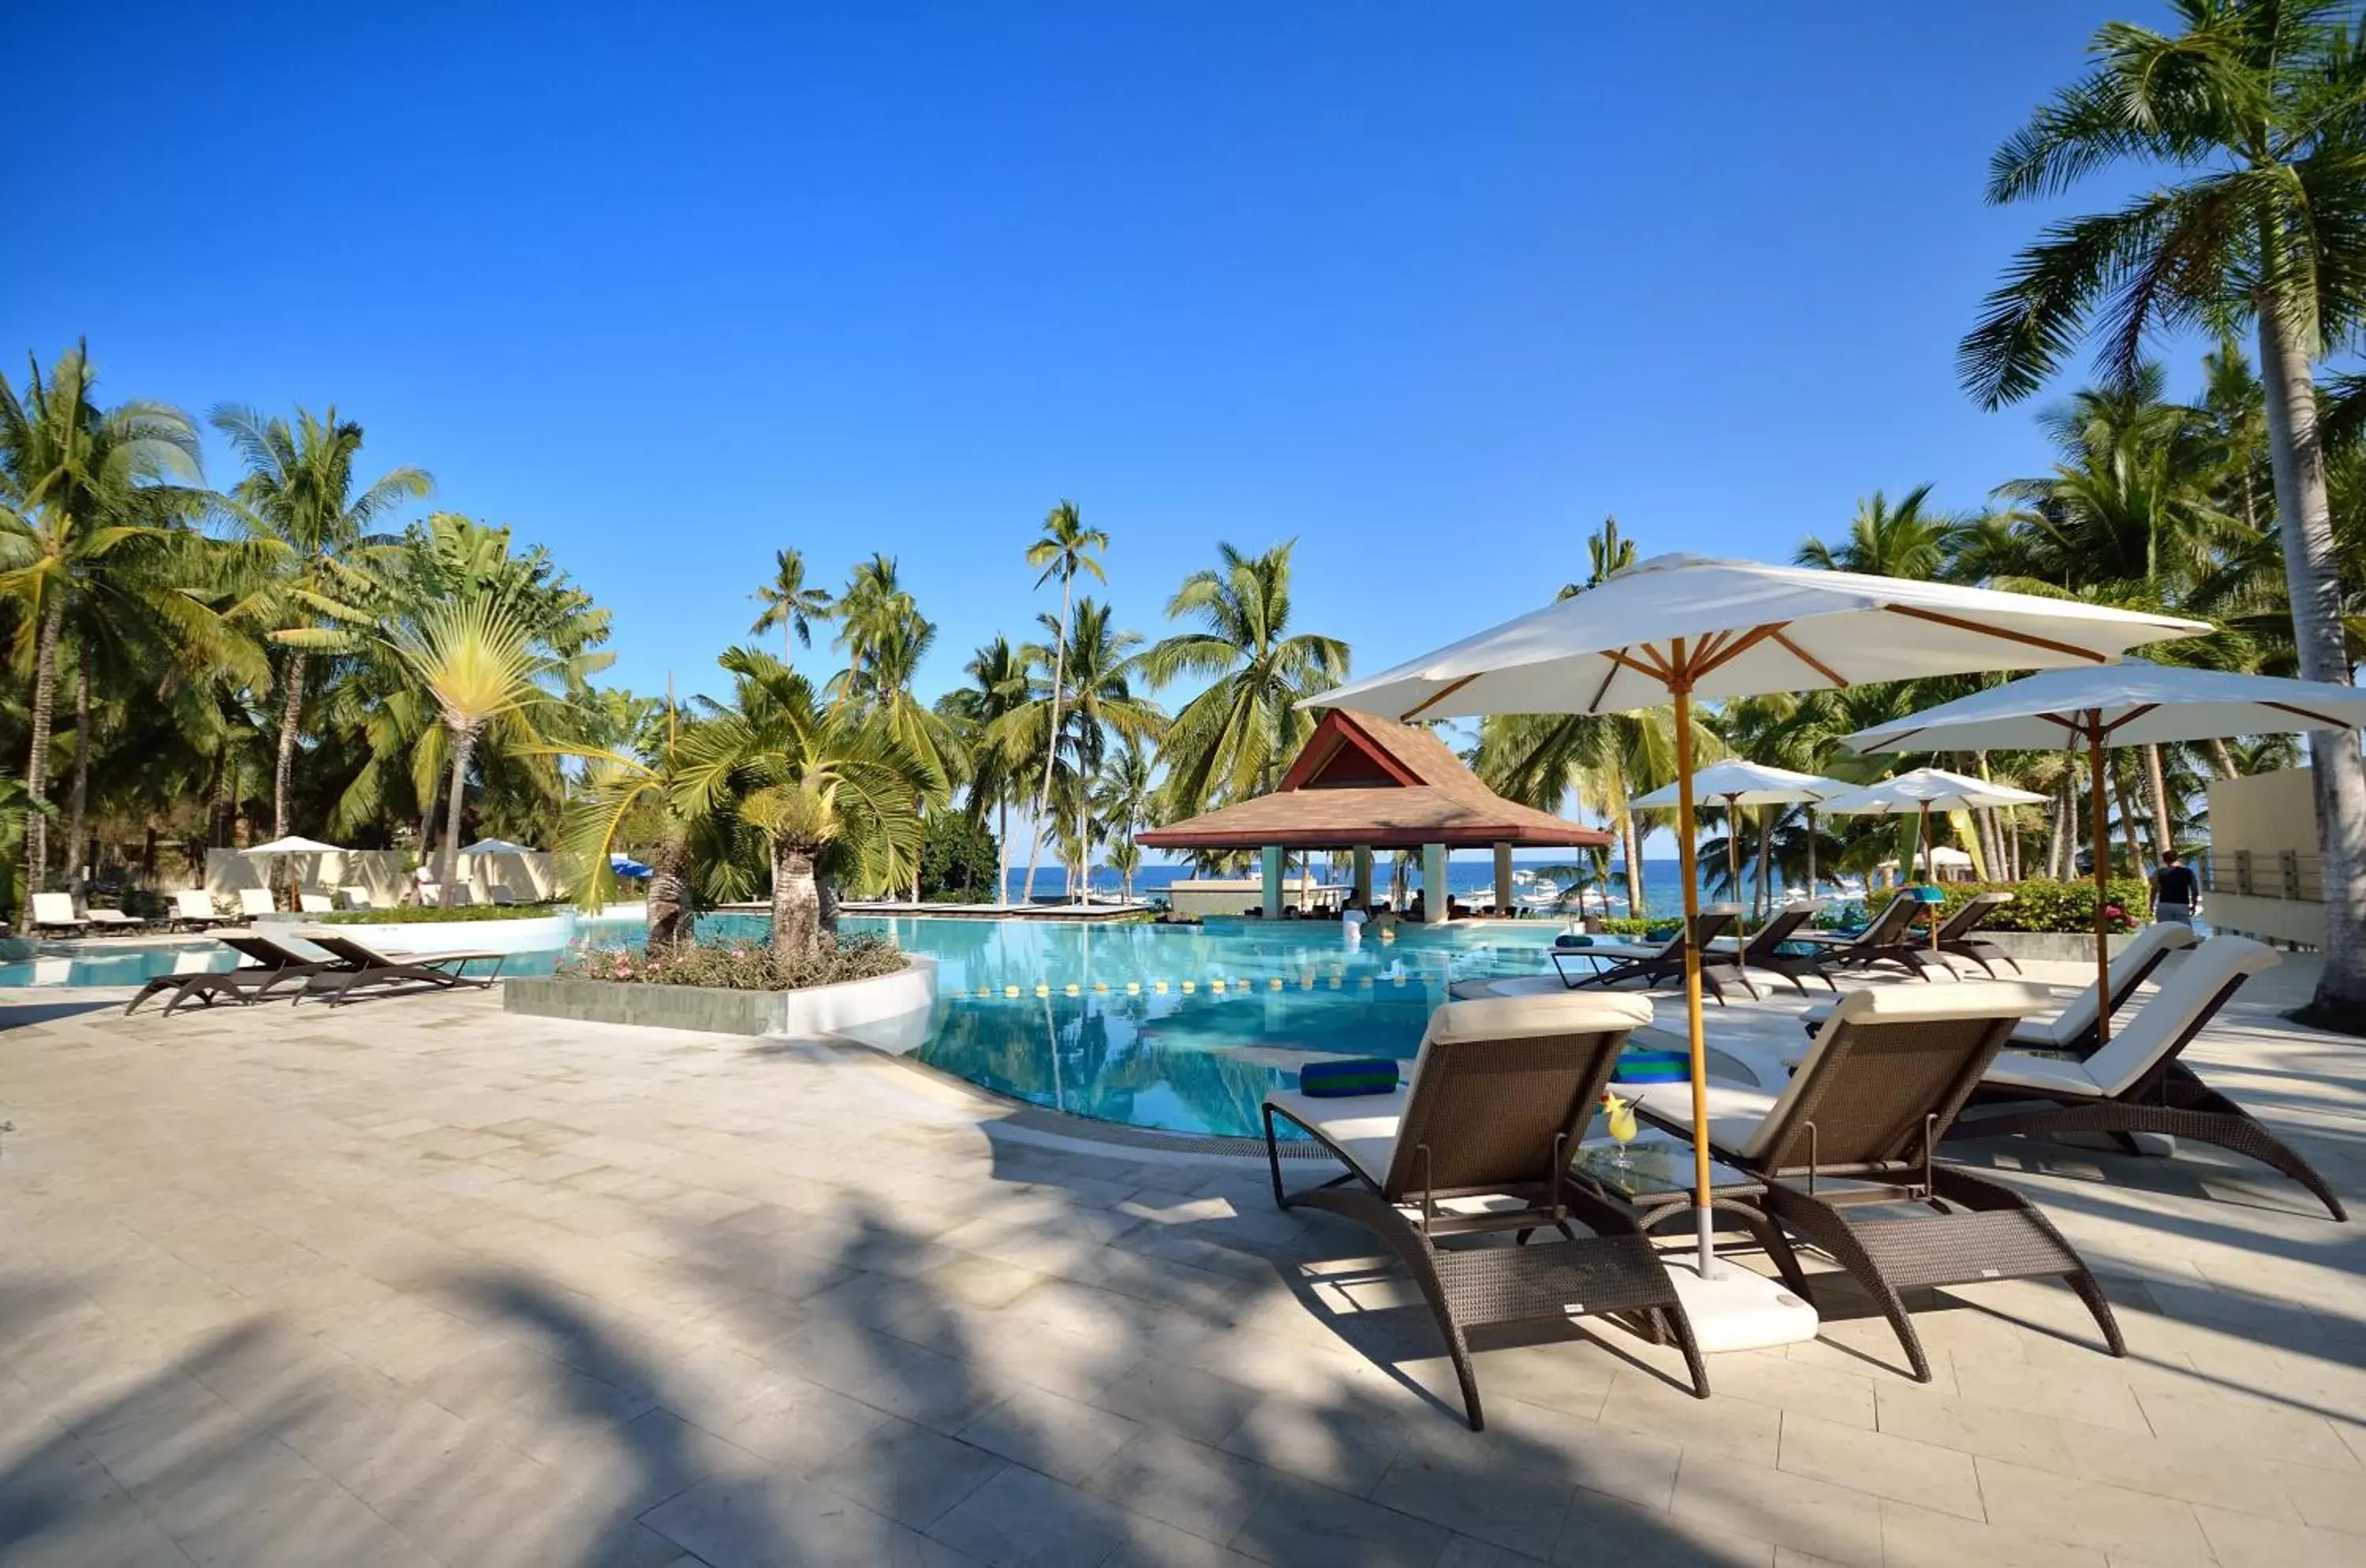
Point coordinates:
pixel 496 847
pixel 1680 627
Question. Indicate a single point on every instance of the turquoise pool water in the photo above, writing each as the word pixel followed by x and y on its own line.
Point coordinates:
pixel 1134 1045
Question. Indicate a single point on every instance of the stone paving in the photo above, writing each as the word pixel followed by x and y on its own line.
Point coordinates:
pixel 415 1282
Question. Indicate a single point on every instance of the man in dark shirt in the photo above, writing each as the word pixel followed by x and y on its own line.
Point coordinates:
pixel 2176 891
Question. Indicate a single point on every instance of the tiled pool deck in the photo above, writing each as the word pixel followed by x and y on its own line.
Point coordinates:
pixel 416 1283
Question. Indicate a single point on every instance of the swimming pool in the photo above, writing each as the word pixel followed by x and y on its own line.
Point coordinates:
pixel 1180 1028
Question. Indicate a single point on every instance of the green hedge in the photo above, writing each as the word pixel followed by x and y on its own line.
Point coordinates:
pixel 738 966
pixel 2038 906
pixel 407 915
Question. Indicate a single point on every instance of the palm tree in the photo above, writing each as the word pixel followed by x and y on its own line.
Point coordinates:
pixel 1905 540
pixel 829 789
pixel 80 487
pixel 1122 799
pixel 623 786
pixel 789 603
pixel 1232 741
pixel 298 497
pixel 2261 105
pixel 478 660
pixel 1100 664
pixel 1066 547
pixel 998 686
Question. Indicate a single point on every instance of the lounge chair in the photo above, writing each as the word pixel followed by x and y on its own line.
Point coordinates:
pixel 255 901
pixel 1856 1133
pixel 1660 963
pixel 317 903
pixel 363 967
pixel 2073 1030
pixel 1957 937
pixel 113 921
pixel 193 909
pixel 2137 1083
pixel 1889 938
pixel 271 963
pixel 1765 950
pixel 1480 1140
pixel 55 912
pixel 356 898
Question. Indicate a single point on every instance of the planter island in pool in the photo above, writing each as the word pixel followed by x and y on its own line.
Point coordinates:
pixel 889 1011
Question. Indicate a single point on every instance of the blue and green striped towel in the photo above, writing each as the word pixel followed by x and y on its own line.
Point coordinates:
pixel 1639 1064
pixel 1336 1080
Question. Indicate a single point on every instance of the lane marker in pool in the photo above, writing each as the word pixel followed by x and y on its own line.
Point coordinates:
pixel 1042 990
pixel 1072 989
pixel 1212 984
pixel 1161 986
pixel 1101 986
pixel 1274 984
pixel 1334 982
pixel 1009 990
pixel 1133 988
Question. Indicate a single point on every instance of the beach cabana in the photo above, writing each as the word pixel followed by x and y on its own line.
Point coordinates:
pixel 1363 784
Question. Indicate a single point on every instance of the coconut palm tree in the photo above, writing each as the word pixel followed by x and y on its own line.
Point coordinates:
pixel 1909 539
pixel 298 497
pixel 1098 665
pixel 789 603
pixel 1065 549
pixel 2254 113
pixel 832 792
pixel 1233 739
pixel 998 686
pixel 1121 800
pixel 82 490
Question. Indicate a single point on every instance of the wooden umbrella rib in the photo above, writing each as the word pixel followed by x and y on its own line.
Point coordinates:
pixel 1812 661
pixel 1657 669
pixel 2327 720
pixel 1729 650
pixel 1438 696
pixel 1936 617
pixel 2130 716
pixel 1613 660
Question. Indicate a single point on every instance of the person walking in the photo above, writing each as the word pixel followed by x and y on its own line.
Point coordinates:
pixel 2176 891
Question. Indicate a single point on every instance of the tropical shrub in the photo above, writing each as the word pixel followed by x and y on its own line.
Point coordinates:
pixel 740 965
pixel 2037 905
pixel 958 859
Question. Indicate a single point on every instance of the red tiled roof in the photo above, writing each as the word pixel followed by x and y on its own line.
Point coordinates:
pixel 1364 781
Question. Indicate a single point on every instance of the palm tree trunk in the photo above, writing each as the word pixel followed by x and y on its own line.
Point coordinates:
pixel 2313 580
pixel 669 916
pixel 2222 759
pixel 797 902
pixel 78 797
pixel 2128 822
pixel 2164 831
pixel 1811 849
pixel 1764 888
pixel 1052 745
pixel 463 742
pixel 1002 852
pixel 2061 858
pixel 283 771
pixel 37 764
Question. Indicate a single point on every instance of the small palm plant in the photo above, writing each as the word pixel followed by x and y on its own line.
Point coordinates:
pixel 478 660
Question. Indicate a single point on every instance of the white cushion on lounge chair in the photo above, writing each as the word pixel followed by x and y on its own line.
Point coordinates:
pixel 1365 1126
pixel 256 901
pixel 1744 1121
pixel 195 904
pixel 55 910
pixel 2077 1019
pixel 1511 985
pixel 2151 1033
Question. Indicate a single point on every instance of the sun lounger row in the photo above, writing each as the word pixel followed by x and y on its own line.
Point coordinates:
pixel 350 965
pixel 1844 1158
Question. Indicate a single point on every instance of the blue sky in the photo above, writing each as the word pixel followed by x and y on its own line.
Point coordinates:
pixel 1430 289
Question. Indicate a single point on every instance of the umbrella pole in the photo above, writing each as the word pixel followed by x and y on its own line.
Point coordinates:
pixel 1733 845
pixel 1930 874
pixel 1689 864
pixel 2102 876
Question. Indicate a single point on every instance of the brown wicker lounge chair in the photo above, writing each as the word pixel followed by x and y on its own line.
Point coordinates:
pixel 2136 1084
pixel 1765 950
pixel 1889 939
pixel 1659 965
pixel 270 964
pixel 1847 1152
pixel 365 967
pixel 1479 1141
pixel 1959 937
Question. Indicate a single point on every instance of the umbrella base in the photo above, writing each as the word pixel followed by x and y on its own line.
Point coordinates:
pixel 1739 1310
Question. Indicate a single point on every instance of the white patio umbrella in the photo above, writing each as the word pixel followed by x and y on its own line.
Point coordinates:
pixel 1921 791
pixel 1679 626
pixel 1740 784
pixel 2134 704
pixel 269 853
pixel 496 847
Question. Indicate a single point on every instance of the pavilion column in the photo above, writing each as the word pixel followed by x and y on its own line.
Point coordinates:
pixel 1503 876
pixel 1437 902
pixel 1363 858
pixel 1272 907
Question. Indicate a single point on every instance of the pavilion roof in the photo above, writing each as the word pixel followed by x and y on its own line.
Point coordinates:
pixel 1362 780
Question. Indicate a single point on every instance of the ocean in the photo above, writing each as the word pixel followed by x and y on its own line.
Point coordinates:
pixel 1662 881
